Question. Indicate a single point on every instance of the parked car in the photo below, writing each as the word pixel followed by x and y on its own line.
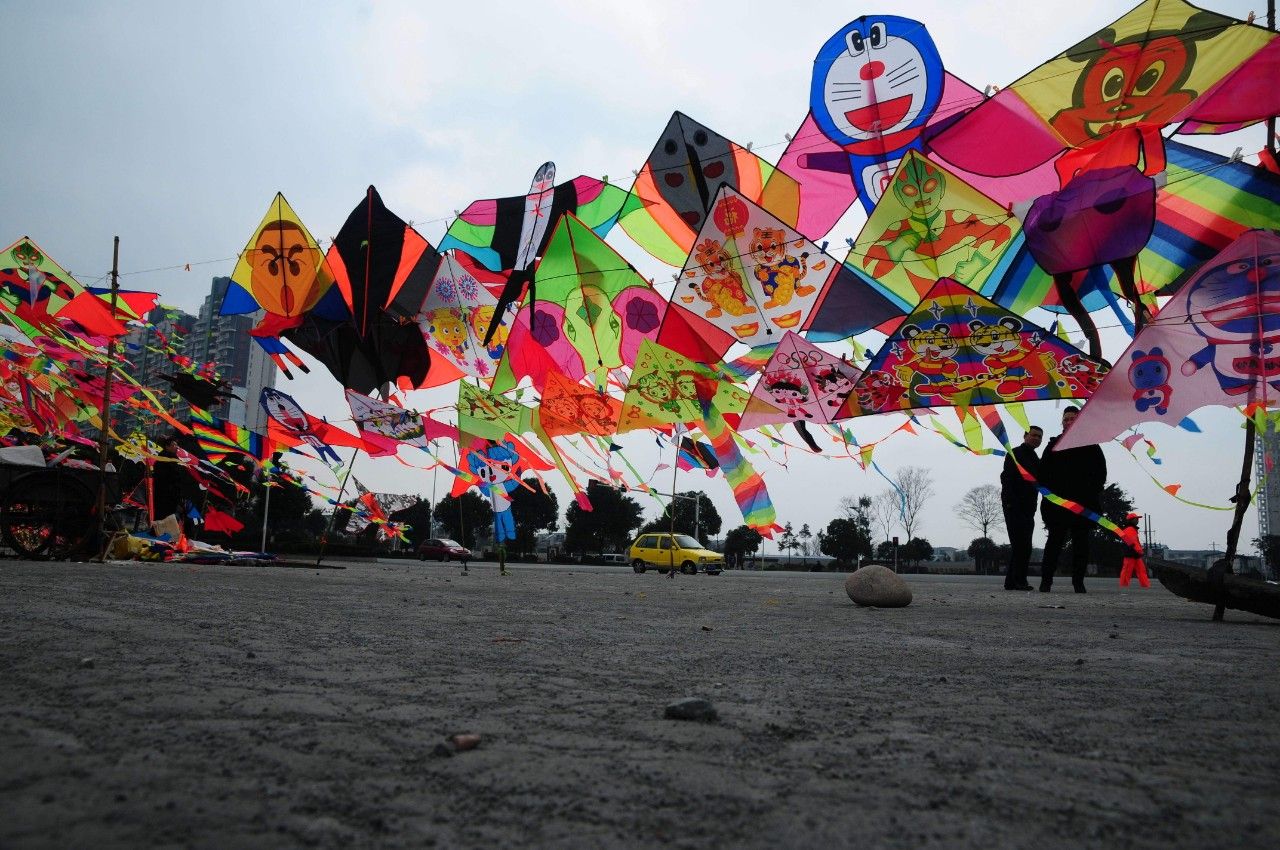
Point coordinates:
pixel 443 549
pixel 612 560
pixel 665 552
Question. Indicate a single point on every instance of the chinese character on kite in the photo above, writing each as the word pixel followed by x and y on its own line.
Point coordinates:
pixel 496 467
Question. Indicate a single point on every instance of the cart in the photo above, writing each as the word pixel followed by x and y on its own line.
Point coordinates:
pixel 50 511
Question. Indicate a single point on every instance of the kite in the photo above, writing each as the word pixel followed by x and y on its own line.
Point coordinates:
pixel 510 233
pixel 800 383
pixel 571 408
pixel 750 279
pixel 384 426
pixel 382 268
pixel 876 84
pixel 283 273
pixel 37 292
pixel 958 349
pixel 1153 65
pixel 668 389
pixel 932 225
pixel 695 454
pixel 1206 202
pixel 1214 342
pixel 592 311
pixel 301 426
pixel 496 466
pixel 674 189
pixel 459 311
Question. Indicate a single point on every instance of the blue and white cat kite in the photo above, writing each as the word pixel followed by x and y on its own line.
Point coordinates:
pixel 876 83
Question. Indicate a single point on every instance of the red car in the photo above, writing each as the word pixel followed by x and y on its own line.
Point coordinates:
pixel 442 549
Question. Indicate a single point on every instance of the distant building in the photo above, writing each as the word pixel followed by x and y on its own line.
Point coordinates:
pixel 225 341
pixel 206 337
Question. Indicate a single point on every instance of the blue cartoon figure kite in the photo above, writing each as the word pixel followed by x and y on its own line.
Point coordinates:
pixel 876 83
pixel 495 466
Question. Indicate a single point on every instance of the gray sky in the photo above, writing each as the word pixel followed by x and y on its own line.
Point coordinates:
pixel 172 124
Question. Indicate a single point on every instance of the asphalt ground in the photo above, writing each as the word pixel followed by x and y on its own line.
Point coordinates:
pixel 222 707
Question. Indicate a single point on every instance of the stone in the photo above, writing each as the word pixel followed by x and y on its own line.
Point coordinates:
pixel 878 587
pixel 87 663
pixel 692 708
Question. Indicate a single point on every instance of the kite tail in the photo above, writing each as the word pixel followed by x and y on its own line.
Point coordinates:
pixel 991 418
pixel 748 487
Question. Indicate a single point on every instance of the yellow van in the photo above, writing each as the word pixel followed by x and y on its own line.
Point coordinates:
pixel 686 555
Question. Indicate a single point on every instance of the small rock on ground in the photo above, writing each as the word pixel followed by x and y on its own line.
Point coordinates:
pixel 692 708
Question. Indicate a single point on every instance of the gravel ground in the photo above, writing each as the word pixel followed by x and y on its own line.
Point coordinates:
pixel 152 705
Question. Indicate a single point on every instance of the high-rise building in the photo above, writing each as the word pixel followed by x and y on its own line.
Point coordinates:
pixel 241 362
pixel 204 338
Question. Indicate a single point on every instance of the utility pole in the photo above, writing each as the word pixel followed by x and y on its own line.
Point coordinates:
pixel 104 415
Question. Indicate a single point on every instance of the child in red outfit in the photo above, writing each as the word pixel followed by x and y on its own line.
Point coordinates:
pixel 1133 554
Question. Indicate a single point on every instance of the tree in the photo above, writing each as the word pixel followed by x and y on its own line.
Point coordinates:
pixel 884 551
pixel 532 509
pixel 916 550
pixel 804 538
pixel 418 517
pixel 980 509
pixel 984 552
pixel 1105 548
pixel 1269 549
pixel 885 512
pixel 607 526
pixel 461 517
pixel 787 541
pixel 846 540
pixel 741 541
pixel 916 485
pixel 690 505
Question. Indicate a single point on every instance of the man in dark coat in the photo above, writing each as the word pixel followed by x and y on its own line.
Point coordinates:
pixel 1018 497
pixel 1078 474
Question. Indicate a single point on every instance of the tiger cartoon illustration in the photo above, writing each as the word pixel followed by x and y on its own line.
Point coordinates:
pixel 1011 359
pixel 779 272
pixel 929 358
pixel 879 391
pixel 721 286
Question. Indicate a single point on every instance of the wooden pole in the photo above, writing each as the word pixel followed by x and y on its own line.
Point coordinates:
pixel 266 508
pixel 324 540
pixel 104 414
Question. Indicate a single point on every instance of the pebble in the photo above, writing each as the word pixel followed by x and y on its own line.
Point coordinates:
pixel 87 663
pixel 692 708
pixel 464 742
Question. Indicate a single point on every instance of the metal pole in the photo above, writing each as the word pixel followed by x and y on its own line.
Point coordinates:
pixel 435 475
pixel 675 469
pixel 104 415
pixel 266 510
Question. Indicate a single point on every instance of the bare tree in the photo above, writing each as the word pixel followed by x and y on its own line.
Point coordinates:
pixel 886 512
pixel 917 488
pixel 980 509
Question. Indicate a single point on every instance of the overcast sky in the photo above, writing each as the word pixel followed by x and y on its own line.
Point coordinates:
pixel 172 124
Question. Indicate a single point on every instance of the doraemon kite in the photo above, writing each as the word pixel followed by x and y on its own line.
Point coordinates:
pixel 876 83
